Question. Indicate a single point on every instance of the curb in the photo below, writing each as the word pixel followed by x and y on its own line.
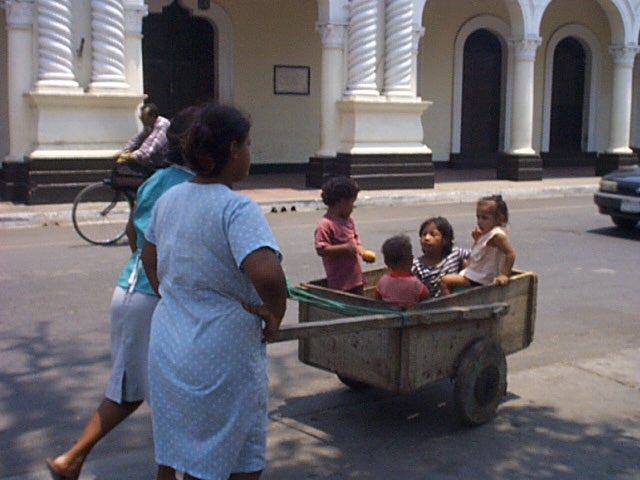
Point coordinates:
pixel 53 215
pixel 398 197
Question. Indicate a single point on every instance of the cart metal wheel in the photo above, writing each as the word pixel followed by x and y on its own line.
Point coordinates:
pixel 352 384
pixel 100 213
pixel 480 382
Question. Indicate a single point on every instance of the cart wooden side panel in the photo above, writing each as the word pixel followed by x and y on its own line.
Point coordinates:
pixel 515 330
pixel 405 359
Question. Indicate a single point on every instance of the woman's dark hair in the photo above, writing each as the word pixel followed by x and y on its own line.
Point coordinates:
pixel 207 147
pixel 397 249
pixel 501 206
pixel 445 229
pixel 337 188
pixel 180 123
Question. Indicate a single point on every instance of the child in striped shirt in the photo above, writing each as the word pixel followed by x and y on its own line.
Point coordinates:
pixel 439 256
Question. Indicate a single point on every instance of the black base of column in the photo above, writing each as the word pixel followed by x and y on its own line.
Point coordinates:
pixel 319 169
pixel 43 181
pixel 608 162
pixel 519 167
pixel 374 172
pixel 14 182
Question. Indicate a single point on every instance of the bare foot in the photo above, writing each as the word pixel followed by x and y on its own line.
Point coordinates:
pixel 62 469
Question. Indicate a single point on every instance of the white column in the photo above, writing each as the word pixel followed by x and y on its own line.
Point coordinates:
pixel 331 87
pixel 107 41
pixel 55 50
pixel 398 48
pixel 635 107
pixel 522 100
pixel 19 14
pixel 133 15
pixel 620 127
pixel 361 78
pixel 418 33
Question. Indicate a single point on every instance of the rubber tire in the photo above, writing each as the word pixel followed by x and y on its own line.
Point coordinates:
pixel 480 382
pixel 353 384
pixel 623 222
pixel 97 201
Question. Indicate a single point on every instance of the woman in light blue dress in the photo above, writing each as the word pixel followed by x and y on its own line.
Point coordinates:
pixel 210 254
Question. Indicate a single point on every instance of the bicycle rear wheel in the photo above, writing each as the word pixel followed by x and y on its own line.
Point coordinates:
pixel 100 213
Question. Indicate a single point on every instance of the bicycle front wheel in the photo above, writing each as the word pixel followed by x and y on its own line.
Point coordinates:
pixel 100 213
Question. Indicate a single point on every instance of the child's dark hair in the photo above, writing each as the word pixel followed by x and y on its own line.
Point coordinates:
pixel 445 228
pixel 208 142
pixel 338 188
pixel 397 249
pixel 180 124
pixel 501 206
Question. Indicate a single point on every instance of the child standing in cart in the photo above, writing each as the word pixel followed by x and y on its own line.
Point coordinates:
pixel 399 286
pixel 336 238
pixel 492 255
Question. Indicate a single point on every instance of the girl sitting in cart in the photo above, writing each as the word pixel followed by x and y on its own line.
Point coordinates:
pixel 439 255
pixel 492 255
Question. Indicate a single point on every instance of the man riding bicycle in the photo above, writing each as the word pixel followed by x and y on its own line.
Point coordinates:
pixel 147 148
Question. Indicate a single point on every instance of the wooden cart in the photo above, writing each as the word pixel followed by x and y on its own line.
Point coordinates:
pixel 463 337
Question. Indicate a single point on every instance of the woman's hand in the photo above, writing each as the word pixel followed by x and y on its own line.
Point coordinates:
pixel 272 324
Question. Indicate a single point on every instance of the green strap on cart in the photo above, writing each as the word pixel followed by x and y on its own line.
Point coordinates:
pixel 302 295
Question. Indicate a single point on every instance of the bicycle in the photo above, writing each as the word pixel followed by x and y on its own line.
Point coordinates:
pixel 101 211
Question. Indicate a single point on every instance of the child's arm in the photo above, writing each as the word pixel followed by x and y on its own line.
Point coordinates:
pixel 476 233
pixel 501 242
pixel 336 250
pixel 368 256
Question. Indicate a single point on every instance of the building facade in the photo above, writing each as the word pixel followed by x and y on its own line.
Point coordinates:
pixel 381 90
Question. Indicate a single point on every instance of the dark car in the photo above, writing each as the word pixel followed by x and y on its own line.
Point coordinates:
pixel 619 196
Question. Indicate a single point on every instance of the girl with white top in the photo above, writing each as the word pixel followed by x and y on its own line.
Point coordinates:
pixel 492 255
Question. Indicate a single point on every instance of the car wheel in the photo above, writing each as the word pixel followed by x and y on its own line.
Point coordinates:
pixel 623 222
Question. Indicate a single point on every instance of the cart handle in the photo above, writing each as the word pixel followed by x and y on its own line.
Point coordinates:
pixel 411 318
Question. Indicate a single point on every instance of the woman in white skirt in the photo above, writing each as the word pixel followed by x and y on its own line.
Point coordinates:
pixel 131 310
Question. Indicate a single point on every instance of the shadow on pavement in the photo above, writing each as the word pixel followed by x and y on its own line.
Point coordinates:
pixel 49 388
pixel 418 436
pixel 615 232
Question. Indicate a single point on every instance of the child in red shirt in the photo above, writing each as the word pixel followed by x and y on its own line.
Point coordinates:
pixel 399 286
pixel 336 238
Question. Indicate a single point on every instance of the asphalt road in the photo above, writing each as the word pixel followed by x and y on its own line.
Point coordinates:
pixel 559 420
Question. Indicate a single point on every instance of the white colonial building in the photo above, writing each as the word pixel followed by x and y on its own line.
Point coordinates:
pixel 381 90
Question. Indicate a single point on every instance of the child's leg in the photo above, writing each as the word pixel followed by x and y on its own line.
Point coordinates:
pixel 449 282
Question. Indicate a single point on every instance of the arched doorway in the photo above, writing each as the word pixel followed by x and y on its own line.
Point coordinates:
pixel 178 59
pixel 567 98
pixel 481 99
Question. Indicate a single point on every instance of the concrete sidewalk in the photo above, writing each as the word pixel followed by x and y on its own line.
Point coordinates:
pixel 286 192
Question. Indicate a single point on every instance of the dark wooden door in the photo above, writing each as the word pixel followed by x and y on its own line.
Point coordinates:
pixel 567 97
pixel 178 59
pixel 481 97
